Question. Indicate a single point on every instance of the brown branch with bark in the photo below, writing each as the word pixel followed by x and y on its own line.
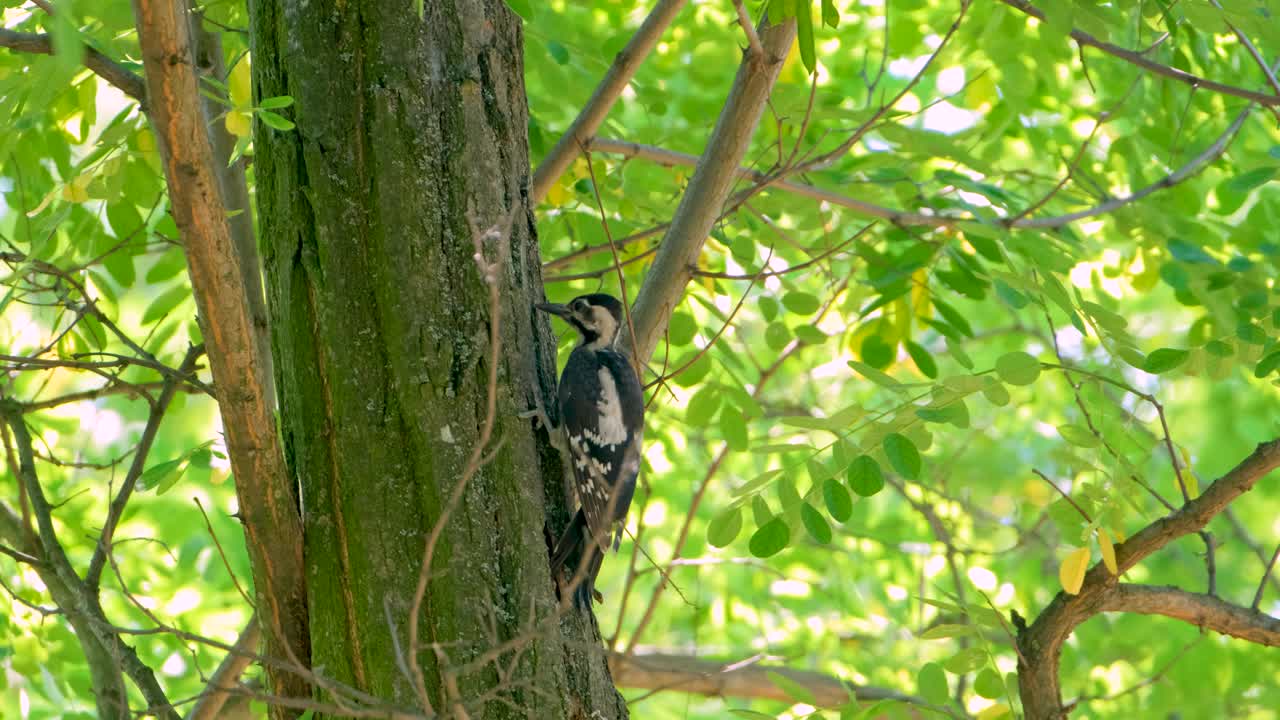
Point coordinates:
pixel 707 192
pixel 269 510
pixel 1140 60
pixel 94 59
pixel 1040 644
pixel 748 678
pixel 606 94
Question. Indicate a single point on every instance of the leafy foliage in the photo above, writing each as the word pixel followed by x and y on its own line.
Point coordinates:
pixel 878 397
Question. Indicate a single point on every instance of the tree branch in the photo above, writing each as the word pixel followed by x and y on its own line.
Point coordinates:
pixel 744 679
pixel 101 65
pixel 593 114
pixel 99 560
pixel 712 180
pixel 225 678
pixel 106 655
pixel 1041 643
pixel 1140 60
pixel 268 507
pixel 670 158
pixel 1197 609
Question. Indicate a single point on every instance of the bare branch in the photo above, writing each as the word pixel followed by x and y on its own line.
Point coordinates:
pixel 1200 610
pixel 753 38
pixel 745 679
pixel 1266 574
pixel 106 654
pixel 597 108
pixel 224 679
pixel 671 158
pixel 101 65
pixel 268 507
pixel 1140 60
pixel 94 575
pixel 712 180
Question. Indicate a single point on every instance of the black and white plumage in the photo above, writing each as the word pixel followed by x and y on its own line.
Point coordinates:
pixel 602 412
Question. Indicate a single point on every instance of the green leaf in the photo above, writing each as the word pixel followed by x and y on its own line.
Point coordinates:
pixel 760 480
pixel 682 329
pixel 989 684
pixel 839 504
pixel 1018 368
pixel 770 538
pixel 923 360
pixel 1267 365
pixel 865 476
pixel 734 428
pixel 276 103
pixel 953 317
pixel 931 683
pixel 810 335
pixel 703 406
pixel 724 528
pixel 165 304
pixel 776 336
pixel 817 525
pixel 760 511
pixel 876 376
pixel 902 455
pixel 996 393
pixel 1079 435
pixel 831 16
pixel 801 303
pixel 1164 360
pixel 877 353
pixel 523 8
pixel 966 661
pixel 804 34
pixel 1190 253
pixel 1217 348
pixel 1257 177
pixel 558 52
pixel 793 689
pixel 939 632
pixel 156 474
pixel 275 121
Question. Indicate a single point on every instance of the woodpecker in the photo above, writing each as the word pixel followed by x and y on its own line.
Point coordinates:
pixel 602 411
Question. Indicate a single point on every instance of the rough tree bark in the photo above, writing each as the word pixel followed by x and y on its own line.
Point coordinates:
pixel 411 135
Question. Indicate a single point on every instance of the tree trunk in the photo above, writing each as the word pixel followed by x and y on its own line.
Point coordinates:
pixel 411 135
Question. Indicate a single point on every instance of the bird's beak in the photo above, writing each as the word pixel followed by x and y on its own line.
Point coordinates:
pixel 554 309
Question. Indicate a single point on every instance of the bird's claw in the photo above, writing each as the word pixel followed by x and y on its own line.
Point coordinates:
pixel 539 415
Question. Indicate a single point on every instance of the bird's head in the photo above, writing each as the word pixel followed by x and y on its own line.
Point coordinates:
pixel 597 318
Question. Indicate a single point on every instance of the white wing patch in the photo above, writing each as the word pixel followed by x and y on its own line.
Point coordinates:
pixel 611 430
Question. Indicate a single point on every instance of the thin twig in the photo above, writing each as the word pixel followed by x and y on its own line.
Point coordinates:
pixel 749 29
pixel 1262 584
pixel 1064 495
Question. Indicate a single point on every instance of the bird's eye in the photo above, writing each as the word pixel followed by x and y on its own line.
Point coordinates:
pixel 579 306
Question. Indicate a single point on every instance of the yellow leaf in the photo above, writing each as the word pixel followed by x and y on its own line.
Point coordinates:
pixel 557 194
pixel 899 328
pixel 981 90
pixel 238 123
pixel 1071 571
pixel 76 190
pixel 1108 551
pixel 920 294
pixel 239 85
pixel 1118 535
pixel 998 710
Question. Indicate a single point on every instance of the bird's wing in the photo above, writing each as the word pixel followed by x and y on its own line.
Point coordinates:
pixel 598 414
